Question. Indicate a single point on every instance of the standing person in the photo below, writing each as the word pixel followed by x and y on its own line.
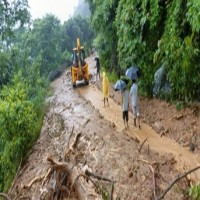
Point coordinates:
pixel 134 97
pixel 125 105
pixel 98 67
pixel 105 89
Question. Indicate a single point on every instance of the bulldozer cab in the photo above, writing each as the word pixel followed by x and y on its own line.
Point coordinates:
pixel 76 57
pixel 79 69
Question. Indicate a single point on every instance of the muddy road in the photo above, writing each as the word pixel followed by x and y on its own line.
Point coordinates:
pixel 79 136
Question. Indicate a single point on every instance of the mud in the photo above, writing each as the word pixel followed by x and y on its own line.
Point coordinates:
pixel 105 148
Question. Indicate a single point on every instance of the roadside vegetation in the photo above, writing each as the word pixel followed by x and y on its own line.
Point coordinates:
pixel 29 52
pixel 150 34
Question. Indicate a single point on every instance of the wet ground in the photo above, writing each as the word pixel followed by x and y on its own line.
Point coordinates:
pixel 136 170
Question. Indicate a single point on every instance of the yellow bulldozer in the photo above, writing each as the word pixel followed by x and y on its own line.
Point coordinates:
pixel 79 68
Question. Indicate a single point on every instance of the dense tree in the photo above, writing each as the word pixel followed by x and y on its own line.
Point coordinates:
pixel 82 9
pixel 151 33
pixel 76 27
pixel 44 39
pixel 12 13
pixel 102 19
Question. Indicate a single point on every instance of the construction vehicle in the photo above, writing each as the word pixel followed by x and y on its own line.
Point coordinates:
pixel 79 68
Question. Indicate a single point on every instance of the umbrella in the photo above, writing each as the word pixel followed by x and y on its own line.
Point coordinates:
pixel 120 85
pixel 133 73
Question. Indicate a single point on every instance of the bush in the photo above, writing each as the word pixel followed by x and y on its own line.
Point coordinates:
pixel 20 124
pixel 194 192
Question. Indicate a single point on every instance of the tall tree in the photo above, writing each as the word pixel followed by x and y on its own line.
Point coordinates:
pixel 12 13
pixel 150 33
pixel 82 9
pixel 44 40
pixel 76 27
pixel 102 19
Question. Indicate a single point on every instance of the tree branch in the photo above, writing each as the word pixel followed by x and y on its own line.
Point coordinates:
pixel 176 180
pixel 97 176
pixel 142 145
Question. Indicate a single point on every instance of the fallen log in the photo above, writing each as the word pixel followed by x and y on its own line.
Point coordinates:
pixel 154 182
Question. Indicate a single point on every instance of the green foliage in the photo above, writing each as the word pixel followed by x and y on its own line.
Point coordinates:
pixel 12 14
pixel 179 106
pixel 82 9
pixel 150 33
pixel 44 40
pixel 5 68
pixel 20 123
pixel 76 27
pixel 194 192
pixel 16 116
pixel 102 189
pixel 180 53
pixel 112 76
pixel 193 14
pixel 102 19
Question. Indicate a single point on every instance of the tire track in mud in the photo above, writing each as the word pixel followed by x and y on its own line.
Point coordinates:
pixel 185 159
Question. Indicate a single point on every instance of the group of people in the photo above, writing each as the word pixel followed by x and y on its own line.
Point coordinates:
pixel 125 97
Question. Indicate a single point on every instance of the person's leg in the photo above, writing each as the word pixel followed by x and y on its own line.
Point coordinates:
pixel 127 119
pixel 134 114
pixel 138 117
pixel 104 101
pixel 107 101
pixel 139 121
pixel 123 116
pixel 99 75
pixel 134 121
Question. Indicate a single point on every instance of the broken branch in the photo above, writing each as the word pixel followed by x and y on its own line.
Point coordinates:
pixel 72 131
pixel 59 166
pixel 70 150
pixel 76 141
pixel 38 178
pixel 154 181
pixel 47 176
pixel 76 179
pixel 97 176
pixel 142 145
pixel 176 180
pixel 111 192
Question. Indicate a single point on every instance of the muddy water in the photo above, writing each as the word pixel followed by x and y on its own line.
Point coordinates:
pixel 185 159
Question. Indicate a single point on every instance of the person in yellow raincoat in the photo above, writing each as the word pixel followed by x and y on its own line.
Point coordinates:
pixel 105 89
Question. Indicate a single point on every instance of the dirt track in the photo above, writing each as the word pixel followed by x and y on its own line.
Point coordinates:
pixel 185 158
pixel 104 148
